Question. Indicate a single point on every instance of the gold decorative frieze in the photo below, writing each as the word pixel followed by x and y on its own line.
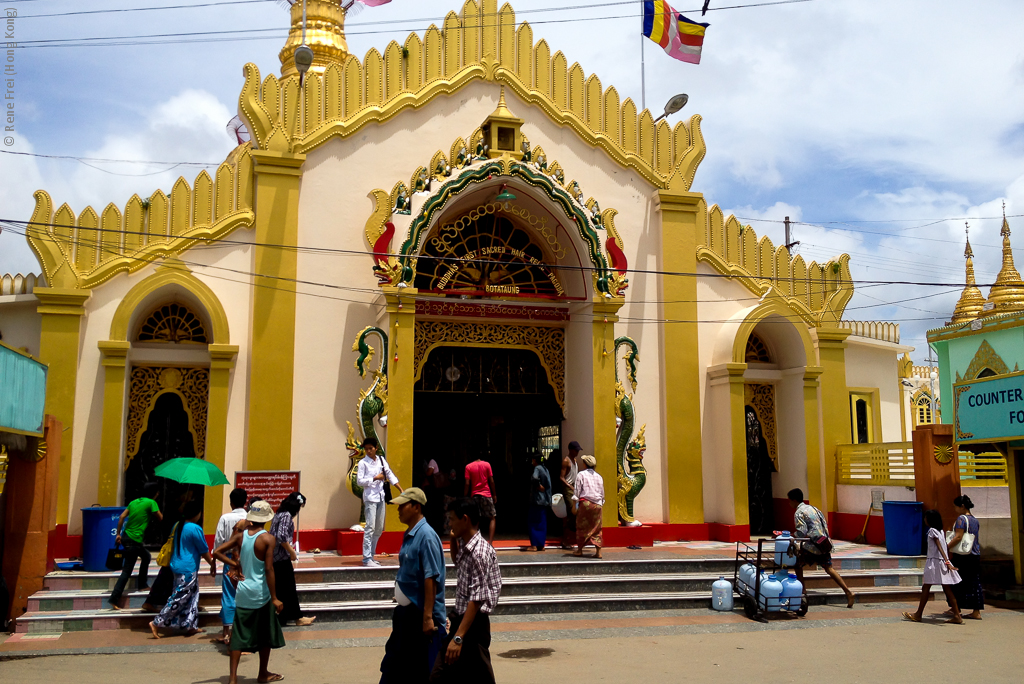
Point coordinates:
pixel 83 251
pixel 818 293
pixel 985 357
pixel 548 343
pixel 148 384
pixel 482 43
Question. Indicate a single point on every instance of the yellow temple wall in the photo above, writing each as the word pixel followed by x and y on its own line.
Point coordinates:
pixel 333 208
pixel 871 365
pixel 87 448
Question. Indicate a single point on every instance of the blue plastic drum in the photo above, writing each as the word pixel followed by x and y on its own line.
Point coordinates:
pixel 903 522
pixel 99 528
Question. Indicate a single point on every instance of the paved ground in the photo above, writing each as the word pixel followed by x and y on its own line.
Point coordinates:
pixel 867 644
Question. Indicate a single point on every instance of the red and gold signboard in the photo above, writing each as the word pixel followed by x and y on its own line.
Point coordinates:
pixel 463 309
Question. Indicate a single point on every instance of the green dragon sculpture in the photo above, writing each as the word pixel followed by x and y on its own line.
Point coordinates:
pixel 629 455
pixel 373 402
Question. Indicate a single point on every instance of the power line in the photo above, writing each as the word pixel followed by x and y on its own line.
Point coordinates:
pixel 233 35
pixel 118 161
pixel 143 9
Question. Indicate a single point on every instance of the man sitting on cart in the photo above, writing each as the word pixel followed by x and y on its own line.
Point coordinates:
pixel 810 523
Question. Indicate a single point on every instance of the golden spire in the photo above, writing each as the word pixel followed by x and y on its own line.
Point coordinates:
pixel 971 302
pixel 325 34
pixel 1007 294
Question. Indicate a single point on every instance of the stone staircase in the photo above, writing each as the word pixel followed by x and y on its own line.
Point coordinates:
pixel 76 601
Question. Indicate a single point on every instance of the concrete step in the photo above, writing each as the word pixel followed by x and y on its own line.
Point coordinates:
pixel 567 566
pixel 556 585
pixel 84 620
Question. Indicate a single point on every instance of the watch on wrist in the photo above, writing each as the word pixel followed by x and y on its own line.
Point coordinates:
pixel 457 640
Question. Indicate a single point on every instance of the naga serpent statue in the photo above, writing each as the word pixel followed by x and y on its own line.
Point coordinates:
pixel 373 402
pixel 629 455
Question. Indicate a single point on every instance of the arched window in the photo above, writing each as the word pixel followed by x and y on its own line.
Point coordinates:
pixel 173 323
pixel 987 373
pixel 922 401
pixel 757 350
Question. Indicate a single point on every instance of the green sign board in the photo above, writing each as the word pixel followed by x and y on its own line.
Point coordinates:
pixel 989 410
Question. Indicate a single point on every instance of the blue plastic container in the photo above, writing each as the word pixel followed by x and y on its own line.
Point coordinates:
pixel 721 594
pixel 903 525
pixel 99 528
pixel 792 592
pixel 783 554
pixel 771 593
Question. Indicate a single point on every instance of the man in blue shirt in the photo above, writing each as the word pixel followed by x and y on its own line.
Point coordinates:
pixel 417 626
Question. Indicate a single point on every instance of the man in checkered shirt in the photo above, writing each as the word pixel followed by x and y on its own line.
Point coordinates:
pixel 465 655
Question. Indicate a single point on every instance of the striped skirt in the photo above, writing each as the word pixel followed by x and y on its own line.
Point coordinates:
pixel 588 524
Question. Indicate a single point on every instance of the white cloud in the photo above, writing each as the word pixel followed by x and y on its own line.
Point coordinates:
pixel 187 127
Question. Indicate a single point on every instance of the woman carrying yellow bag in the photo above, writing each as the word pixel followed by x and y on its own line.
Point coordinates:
pixel 164 583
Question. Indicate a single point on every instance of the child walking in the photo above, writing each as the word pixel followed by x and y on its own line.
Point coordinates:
pixel 937 570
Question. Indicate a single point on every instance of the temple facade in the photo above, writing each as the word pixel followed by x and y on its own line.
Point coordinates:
pixel 464 246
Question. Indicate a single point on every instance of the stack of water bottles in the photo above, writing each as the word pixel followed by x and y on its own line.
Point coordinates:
pixel 780 590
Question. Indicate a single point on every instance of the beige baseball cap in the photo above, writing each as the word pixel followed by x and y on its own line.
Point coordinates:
pixel 260 512
pixel 411 494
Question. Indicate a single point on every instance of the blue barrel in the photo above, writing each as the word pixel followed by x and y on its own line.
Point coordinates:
pixel 99 527
pixel 903 523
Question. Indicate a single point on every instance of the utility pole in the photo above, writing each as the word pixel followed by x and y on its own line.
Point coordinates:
pixel 789 242
pixel 932 377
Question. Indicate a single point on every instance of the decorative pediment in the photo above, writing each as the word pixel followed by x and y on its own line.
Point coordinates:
pixel 483 43
pixel 985 357
pixel 465 171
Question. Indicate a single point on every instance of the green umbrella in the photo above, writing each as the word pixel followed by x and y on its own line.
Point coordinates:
pixel 192 471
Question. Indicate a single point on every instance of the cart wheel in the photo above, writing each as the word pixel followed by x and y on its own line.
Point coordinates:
pixel 749 607
pixel 803 609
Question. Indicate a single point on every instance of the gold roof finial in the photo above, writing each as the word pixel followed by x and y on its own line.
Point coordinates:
pixel 971 302
pixel 325 34
pixel 1007 294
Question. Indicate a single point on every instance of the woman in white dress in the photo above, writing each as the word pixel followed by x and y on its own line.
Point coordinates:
pixel 937 570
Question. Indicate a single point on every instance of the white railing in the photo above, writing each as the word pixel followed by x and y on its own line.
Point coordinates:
pixel 16 283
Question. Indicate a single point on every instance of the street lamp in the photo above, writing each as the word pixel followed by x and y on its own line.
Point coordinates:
pixel 676 103
pixel 303 54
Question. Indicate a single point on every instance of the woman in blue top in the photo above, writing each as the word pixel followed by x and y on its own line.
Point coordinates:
pixel 969 594
pixel 182 610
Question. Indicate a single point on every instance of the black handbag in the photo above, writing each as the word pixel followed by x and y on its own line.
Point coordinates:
pixel 115 558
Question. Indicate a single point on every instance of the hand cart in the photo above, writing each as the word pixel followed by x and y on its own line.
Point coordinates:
pixel 755 605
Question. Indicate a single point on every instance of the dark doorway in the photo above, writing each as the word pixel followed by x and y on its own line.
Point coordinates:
pixel 759 476
pixel 166 436
pixel 490 402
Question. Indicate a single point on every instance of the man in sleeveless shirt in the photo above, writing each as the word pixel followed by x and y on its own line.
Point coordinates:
pixel 251 563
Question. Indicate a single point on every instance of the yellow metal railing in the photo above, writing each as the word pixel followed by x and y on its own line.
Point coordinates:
pixel 982 470
pixel 882 463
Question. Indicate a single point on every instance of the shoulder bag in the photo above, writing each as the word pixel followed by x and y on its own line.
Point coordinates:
pixel 966 544
pixel 823 543
pixel 387 482
pixel 163 559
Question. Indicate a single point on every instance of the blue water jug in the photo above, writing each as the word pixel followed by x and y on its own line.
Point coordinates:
pixel 783 555
pixel 747 575
pixel 792 592
pixel 721 594
pixel 771 590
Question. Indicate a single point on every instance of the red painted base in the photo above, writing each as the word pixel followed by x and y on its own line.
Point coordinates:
pixel 63 545
pixel 847 526
pixel 724 532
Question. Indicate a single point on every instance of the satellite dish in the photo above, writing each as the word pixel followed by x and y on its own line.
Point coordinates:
pixel 676 103
pixel 238 132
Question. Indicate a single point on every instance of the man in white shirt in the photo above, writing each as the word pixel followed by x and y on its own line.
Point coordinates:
pixel 371 475
pixel 226 528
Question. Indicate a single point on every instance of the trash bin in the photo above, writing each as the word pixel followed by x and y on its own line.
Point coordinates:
pixel 903 522
pixel 99 527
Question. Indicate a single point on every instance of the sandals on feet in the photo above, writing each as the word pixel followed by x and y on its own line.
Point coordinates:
pixel 910 616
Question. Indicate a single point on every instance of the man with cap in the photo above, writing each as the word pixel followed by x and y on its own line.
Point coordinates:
pixel 251 564
pixel 567 484
pixel 417 626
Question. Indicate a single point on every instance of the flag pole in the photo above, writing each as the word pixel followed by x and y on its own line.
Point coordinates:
pixel 643 67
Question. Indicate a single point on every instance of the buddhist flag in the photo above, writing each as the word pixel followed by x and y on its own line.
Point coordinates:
pixel 677 35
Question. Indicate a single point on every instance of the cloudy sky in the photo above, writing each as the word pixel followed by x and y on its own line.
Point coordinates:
pixel 867 120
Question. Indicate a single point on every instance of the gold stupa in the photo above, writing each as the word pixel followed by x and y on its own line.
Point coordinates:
pixel 1007 294
pixel 325 34
pixel 971 302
